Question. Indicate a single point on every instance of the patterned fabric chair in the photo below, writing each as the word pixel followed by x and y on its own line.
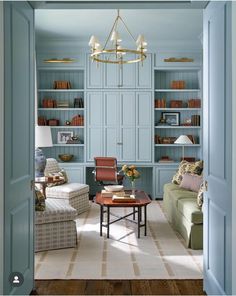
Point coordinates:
pixel 74 194
pixel 55 227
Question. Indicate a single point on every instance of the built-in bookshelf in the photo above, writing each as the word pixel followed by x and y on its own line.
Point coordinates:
pixel 57 108
pixel 178 111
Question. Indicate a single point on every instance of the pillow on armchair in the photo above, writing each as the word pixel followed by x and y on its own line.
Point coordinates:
pixel 62 178
pixel 39 200
pixel 186 167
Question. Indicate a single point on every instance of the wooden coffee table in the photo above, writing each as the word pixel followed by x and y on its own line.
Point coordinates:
pixel 141 201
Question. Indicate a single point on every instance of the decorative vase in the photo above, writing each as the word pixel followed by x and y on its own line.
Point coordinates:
pixel 133 187
pixel 40 163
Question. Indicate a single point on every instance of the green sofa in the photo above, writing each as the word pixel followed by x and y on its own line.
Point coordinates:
pixel 184 214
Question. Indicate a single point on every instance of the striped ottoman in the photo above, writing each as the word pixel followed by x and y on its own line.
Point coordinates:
pixel 74 194
pixel 55 227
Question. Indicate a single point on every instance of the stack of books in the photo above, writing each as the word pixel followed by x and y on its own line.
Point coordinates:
pixel 118 196
pixel 195 120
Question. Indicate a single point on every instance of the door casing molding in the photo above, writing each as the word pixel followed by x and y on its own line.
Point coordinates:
pixel 234 144
pixel 1 147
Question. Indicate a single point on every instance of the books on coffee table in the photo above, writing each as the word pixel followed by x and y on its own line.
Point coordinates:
pixel 123 198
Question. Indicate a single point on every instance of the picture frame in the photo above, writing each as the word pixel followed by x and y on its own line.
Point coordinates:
pixel 171 118
pixel 64 136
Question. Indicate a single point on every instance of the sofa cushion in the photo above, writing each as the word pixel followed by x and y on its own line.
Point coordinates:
pixel 189 209
pixel 55 211
pixel 191 182
pixel 170 187
pixel 67 190
pixel 177 195
pixel 39 200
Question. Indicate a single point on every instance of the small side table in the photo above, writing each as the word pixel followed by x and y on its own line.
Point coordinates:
pixel 43 181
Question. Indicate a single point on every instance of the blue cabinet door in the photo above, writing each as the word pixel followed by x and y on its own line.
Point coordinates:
pixel 144 107
pixel 94 115
pixel 19 199
pixel 163 174
pixel 127 76
pixel 217 142
pixel 111 76
pixel 94 74
pixel 144 73
pixel 75 172
pixel 111 124
pixel 127 126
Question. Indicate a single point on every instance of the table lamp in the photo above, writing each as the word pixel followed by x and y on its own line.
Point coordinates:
pixel 183 140
pixel 43 138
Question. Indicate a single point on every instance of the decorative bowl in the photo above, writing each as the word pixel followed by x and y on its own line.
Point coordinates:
pixel 65 157
pixel 114 188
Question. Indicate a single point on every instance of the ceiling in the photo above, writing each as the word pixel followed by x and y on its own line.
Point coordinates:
pixel 157 25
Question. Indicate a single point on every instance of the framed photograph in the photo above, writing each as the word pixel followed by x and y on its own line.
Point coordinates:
pixel 63 137
pixel 171 118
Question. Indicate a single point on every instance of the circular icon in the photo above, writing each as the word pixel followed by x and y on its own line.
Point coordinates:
pixel 16 279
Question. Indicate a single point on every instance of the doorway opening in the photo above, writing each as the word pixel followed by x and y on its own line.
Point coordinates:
pixel 175 55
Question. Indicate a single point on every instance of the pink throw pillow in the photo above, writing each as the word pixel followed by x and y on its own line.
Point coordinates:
pixel 191 182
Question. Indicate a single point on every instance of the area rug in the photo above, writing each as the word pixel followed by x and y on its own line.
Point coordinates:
pixel 159 255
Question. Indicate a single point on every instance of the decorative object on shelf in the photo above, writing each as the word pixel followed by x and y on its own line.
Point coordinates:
pixel 49 103
pixel 64 136
pixel 132 174
pixel 63 104
pixel 65 157
pixel 116 54
pixel 78 103
pixel 194 103
pixel 176 104
pixel 74 140
pixel 167 140
pixel 42 120
pixel 172 118
pixel 178 60
pixel 177 84
pixel 67 122
pixel 77 120
pixel 189 159
pixel 162 121
pixel 160 103
pixel 165 159
pixel 62 61
pixel 187 122
pixel 61 84
pixel 191 138
pixel 53 122
pixel 183 140
pixel 157 139
pixel 43 138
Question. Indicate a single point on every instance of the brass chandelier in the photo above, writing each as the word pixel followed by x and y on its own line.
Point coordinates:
pixel 116 54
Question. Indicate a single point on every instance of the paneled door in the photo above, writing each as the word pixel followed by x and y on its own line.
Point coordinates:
pixel 111 124
pixel 217 149
pixel 19 147
pixel 94 125
pixel 127 126
pixel 144 126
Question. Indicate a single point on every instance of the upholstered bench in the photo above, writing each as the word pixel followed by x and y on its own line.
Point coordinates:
pixel 74 194
pixel 55 227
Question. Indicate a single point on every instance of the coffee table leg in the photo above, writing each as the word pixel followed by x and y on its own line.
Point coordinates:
pixel 139 218
pixel 133 213
pixel 108 221
pixel 145 220
pixel 101 219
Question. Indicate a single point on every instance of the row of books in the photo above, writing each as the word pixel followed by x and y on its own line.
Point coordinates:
pixel 52 103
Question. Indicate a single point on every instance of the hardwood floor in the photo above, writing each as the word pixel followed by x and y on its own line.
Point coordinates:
pixel 118 287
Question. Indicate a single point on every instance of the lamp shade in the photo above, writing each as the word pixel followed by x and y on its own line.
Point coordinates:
pixel 43 136
pixel 183 140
